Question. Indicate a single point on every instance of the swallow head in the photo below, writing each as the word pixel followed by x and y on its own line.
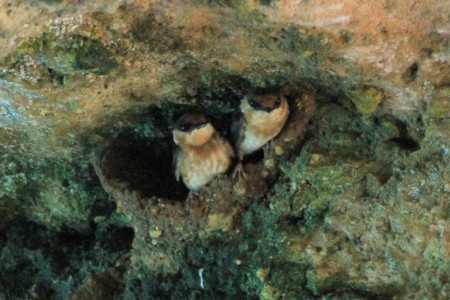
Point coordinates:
pixel 192 129
pixel 258 104
pixel 265 100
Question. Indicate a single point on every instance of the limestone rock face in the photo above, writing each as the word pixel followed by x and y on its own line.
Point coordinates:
pixel 349 201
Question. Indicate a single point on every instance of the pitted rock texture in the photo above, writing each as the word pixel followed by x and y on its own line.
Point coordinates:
pixel 348 202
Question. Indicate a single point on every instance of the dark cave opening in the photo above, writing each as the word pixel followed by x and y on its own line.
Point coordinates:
pixel 406 143
pixel 254 157
pixel 145 166
pixel 44 255
pixel 411 74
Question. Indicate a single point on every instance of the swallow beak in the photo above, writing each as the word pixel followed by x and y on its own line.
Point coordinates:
pixel 201 125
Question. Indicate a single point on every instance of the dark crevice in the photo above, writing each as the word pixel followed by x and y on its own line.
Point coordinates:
pixel 102 208
pixel 56 77
pixel 406 143
pixel 146 166
pixel 254 157
pixel 115 239
pixel 411 73
pixel 403 140
pixel 2 238
pixel 45 256
pixel 292 220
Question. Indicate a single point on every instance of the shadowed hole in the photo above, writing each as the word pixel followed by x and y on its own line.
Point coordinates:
pixel 254 157
pixel 406 143
pixel 411 73
pixel 145 166
pixel 116 239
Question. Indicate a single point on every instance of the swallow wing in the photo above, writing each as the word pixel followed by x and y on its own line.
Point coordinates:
pixel 175 164
pixel 238 128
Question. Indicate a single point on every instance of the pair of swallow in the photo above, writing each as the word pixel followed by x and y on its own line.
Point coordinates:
pixel 202 153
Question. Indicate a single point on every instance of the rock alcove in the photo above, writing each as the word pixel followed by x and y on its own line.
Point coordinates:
pixel 137 173
pixel 145 165
pixel 347 202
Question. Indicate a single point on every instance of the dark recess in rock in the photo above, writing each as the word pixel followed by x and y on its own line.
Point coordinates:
pixel 58 78
pixel 145 166
pixel 406 143
pixel 404 139
pixel 346 203
pixel 411 73
pixel 254 157
pixel 44 256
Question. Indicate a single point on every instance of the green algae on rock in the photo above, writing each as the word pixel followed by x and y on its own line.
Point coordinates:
pixel 367 100
pixel 348 202
pixel 76 53
pixel 52 57
pixel 439 108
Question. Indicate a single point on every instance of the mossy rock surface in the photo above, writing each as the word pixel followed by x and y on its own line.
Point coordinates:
pixel 348 202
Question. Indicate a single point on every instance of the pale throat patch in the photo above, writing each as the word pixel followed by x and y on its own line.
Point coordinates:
pixel 251 143
pixel 262 126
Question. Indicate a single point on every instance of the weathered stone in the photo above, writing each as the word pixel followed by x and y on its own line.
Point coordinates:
pixel 349 201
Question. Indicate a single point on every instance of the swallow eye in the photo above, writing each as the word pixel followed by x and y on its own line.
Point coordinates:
pixel 251 102
pixel 278 102
pixel 183 128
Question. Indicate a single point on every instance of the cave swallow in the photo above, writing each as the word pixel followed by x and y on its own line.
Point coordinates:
pixel 201 153
pixel 263 113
